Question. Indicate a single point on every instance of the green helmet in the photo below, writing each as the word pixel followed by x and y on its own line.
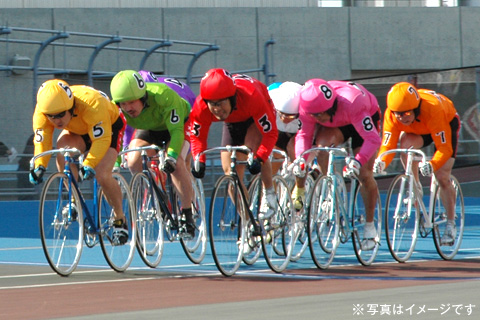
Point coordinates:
pixel 127 85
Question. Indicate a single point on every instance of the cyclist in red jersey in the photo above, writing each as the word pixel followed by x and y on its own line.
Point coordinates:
pixel 245 107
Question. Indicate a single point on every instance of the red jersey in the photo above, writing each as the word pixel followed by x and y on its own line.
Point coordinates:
pixel 253 102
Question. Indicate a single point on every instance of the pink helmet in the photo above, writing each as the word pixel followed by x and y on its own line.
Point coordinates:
pixel 317 95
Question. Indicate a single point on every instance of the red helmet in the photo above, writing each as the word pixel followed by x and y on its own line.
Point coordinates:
pixel 217 84
pixel 317 95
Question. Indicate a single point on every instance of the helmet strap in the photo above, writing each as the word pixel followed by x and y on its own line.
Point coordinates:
pixel 233 102
pixel 331 112
pixel 416 111
pixel 144 100
pixel 72 110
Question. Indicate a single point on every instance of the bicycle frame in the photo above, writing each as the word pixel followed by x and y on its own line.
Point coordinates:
pixel 346 209
pixel 93 227
pixel 153 185
pixel 233 172
pixel 412 155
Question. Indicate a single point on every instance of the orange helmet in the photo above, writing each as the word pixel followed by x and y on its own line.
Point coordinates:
pixel 403 96
pixel 54 96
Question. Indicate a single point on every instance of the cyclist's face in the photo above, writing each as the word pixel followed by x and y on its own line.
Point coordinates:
pixel 406 117
pixel 60 122
pixel 132 108
pixel 221 109
pixel 287 117
pixel 320 117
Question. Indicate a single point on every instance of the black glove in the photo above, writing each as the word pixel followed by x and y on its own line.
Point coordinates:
pixel 170 165
pixel 201 171
pixel 36 175
pixel 255 167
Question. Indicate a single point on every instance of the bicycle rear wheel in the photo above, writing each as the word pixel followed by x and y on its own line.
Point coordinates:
pixel 365 254
pixel 323 223
pixel 255 197
pixel 280 234
pixel 196 247
pixel 226 228
pixel 118 257
pixel 61 228
pixel 447 252
pixel 402 216
pixel 150 239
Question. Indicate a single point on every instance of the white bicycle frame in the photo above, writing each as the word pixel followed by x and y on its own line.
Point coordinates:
pixel 345 210
pixel 415 155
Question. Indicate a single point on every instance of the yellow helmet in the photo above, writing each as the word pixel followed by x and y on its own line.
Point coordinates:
pixel 54 96
pixel 403 96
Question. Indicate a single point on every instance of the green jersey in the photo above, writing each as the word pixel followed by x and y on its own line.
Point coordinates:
pixel 164 110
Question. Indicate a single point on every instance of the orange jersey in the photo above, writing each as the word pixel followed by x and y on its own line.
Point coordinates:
pixel 436 113
pixel 94 115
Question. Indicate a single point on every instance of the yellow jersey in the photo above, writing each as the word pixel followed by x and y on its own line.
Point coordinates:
pixel 93 114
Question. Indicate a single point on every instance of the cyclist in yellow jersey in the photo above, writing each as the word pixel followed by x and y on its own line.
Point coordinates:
pixel 88 121
pixel 416 118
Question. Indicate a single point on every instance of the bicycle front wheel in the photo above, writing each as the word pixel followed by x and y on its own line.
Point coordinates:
pixel 448 251
pixel 255 197
pixel 402 216
pixel 226 228
pixel 196 247
pixel 150 239
pixel 118 256
pixel 365 249
pixel 280 234
pixel 61 226
pixel 323 223
pixel 301 222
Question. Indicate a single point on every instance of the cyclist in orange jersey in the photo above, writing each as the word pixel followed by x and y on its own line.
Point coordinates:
pixel 416 118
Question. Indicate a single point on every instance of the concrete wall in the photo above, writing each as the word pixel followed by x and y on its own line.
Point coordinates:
pixel 332 43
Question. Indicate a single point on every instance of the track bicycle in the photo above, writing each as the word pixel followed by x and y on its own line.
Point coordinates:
pixel 70 217
pixel 234 222
pixel 286 172
pixel 334 216
pixel 158 210
pixel 406 215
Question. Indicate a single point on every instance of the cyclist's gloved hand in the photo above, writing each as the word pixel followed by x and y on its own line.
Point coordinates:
pixel 379 166
pixel 255 166
pixel 200 173
pixel 352 169
pixel 170 164
pixel 426 169
pixel 87 172
pixel 36 175
pixel 299 168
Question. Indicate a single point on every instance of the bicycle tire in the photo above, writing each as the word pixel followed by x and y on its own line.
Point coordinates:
pixel 401 225
pixel 323 223
pixel 149 222
pixel 61 232
pixel 255 197
pixel 118 257
pixel 439 220
pixel 226 228
pixel 301 244
pixel 280 231
pixel 196 248
pixel 359 218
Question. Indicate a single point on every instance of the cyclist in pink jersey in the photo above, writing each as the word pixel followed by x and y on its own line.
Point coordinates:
pixel 331 112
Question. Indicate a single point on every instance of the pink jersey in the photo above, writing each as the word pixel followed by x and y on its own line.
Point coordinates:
pixel 355 106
